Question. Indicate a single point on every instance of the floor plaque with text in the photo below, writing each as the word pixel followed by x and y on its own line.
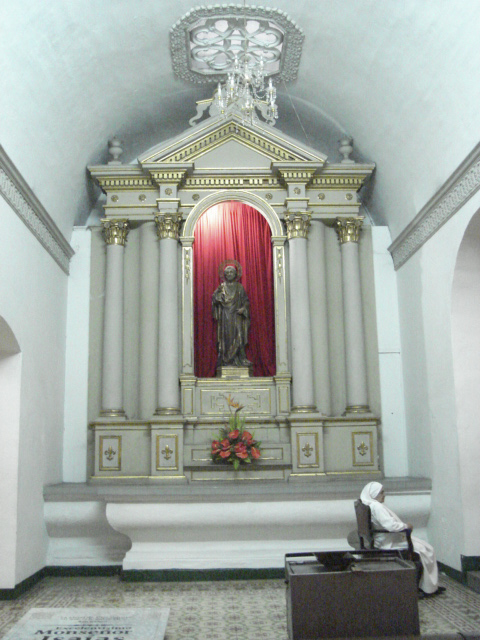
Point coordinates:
pixel 91 624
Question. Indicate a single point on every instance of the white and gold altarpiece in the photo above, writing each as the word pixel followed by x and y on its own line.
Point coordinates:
pixel 152 420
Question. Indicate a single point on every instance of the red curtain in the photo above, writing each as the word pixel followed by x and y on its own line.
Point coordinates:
pixel 234 231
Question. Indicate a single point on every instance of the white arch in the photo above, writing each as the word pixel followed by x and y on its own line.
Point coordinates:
pixel 262 206
pixel 10 383
pixel 466 367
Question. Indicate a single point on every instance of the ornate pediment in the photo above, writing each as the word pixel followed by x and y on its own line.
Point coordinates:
pixel 262 140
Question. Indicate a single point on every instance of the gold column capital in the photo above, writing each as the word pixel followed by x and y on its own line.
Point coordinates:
pixel 297 223
pixel 348 229
pixel 168 225
pixel 115 231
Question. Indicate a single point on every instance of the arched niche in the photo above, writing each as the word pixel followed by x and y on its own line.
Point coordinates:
pixel 251 199
pixel 279 286
pixel 234 230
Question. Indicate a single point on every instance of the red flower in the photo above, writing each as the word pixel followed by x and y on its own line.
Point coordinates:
pixel 225 443
pixel 241 451
pixel 215 447
pixel 233 435
pixel 247 437
pixel 255 453
pixel 225 453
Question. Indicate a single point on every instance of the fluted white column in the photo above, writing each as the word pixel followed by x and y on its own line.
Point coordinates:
pixel 302 360
pixel 168 390
pixel 348 230
pixel 148 319
pixel 115 234
pixel 319 315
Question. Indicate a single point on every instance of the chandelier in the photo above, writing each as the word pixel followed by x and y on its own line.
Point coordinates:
pixel 245 93
pixel 242 48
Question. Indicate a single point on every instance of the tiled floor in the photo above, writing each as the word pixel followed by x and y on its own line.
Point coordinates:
pixel 242 610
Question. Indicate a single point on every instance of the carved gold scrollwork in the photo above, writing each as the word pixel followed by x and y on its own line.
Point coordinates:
pixel 187 265
pixel 279 262
pixel 348 229
pixel 298 224
pixel 115 231
pixel 168 225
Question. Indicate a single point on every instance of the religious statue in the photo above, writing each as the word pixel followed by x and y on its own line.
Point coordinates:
pixel 231 310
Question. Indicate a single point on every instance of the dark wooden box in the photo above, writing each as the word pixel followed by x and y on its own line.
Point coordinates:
pixel 340 595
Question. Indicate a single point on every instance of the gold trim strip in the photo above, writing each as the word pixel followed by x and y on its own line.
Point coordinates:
pixel 170 477
pixel 132 206
pixel 262 479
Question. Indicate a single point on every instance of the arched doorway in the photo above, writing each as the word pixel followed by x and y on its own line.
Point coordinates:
pixel 466 363
pixel 10 378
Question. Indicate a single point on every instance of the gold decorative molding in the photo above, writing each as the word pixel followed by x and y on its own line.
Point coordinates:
pixel 297 176
pixel 163 176
pixel 219 181
pixel 348 229
pixel 357 408
pixel 225 133
pixel 115 231
pixel 338 182
pixel 168 225
pixel 107 183
pixel 297 224
pixel 167 411
pixel 187 263
pixel 279 253
pixel 304 408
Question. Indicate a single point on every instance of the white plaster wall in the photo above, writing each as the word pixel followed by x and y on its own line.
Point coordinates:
pixel 33 292
pixel 393 429
pixel 466 351
pixel 425 299
pixel 76 367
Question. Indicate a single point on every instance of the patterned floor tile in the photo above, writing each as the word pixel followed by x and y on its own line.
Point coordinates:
pixel 241 610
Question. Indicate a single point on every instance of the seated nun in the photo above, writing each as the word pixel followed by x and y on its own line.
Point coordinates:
pixel 373 495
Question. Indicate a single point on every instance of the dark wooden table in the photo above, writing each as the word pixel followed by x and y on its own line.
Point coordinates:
pixel 361 597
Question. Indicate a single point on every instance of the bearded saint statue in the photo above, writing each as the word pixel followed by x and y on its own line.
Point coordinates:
pixel 231 310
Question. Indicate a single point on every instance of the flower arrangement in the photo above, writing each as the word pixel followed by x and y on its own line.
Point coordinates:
pixel 235 445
